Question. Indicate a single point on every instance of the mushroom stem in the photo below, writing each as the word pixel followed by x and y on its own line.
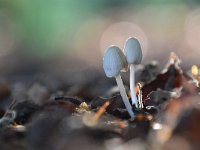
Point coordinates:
pixel 132 85
pixel 124 95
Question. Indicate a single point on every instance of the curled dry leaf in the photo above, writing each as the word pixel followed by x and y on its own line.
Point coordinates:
pixel 165 81
pixel 169 80
pixel 24 110
pixel 73 99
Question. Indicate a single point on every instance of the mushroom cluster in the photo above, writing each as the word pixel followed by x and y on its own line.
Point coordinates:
pixel 115 61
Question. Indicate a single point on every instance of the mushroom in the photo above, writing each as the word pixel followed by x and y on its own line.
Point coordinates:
pixel 114 61
pixel 133 54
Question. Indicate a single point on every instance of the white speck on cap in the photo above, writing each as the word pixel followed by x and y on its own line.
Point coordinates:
pixel 133 51
pixel 114 61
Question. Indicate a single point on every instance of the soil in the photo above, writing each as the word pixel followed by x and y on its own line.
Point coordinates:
pixel 44 113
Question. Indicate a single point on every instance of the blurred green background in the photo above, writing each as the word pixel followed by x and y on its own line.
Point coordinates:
pixel 62 31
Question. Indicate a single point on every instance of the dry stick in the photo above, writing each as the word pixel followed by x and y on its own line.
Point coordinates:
pixel 140 96
pixel 99 113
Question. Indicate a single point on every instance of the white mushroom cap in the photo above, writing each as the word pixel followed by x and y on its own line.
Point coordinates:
pixel 114 61
pixel 133 51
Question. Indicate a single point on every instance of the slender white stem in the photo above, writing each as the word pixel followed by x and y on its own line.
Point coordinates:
pixel 132 85
pixel 124 95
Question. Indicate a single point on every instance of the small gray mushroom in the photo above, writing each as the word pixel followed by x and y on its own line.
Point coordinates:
pixel 114 61
pixel 133 54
